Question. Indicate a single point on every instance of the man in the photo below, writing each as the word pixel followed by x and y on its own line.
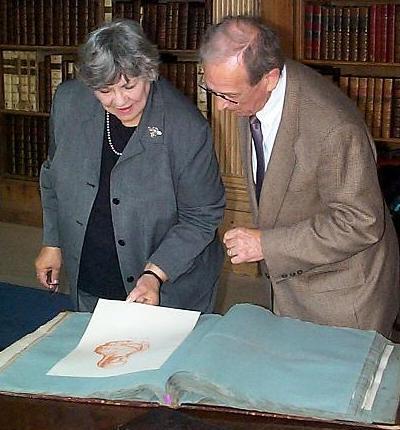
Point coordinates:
pixel 325 239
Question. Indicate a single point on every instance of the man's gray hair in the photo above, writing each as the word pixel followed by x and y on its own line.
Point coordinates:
pixel 249 40
pixel 114 50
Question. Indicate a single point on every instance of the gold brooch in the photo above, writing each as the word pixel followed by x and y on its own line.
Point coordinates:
pixel 154 131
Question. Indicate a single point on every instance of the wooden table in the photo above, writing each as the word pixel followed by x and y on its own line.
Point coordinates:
pixel 27 412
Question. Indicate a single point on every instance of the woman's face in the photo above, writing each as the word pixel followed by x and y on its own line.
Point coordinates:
pixel 125 99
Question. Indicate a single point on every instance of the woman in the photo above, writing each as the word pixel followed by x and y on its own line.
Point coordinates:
pixel 131 191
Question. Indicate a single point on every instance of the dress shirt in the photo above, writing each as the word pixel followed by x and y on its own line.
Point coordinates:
pixel 270 117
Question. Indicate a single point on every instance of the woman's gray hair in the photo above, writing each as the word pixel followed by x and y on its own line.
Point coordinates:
pixel 246 38
pixel 118 48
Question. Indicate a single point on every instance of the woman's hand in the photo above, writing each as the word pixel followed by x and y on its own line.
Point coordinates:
pixel 48 266
pixel 147 291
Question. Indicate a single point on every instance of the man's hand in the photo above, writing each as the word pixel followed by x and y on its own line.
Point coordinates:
pixel 48 265
pixel 243 245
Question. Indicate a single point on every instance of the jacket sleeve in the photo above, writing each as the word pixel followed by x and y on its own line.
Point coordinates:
pixel 200 203
pixel 352 218
pixel 47 190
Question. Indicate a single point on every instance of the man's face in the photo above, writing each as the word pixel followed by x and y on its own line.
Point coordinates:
pixel 229 83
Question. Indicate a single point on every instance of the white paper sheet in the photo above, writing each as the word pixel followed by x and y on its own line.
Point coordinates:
pixel 126 337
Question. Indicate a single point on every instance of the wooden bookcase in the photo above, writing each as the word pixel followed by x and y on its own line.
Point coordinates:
pixel 38 46
pixel 366 64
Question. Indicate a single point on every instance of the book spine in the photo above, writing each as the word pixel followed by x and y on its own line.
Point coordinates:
pixel 346 33
pixel 23 22
pixel 369 108
pixel 308 30
pixel 397 34
pixel 73 22
pixel 183 19
pixel 362 95
pixel 161 30
pixel 324 32
pixel 12 160
pixel 48 15
pixel 27 144
pixel 192 26
pixel 40 22
pixel 331 33
pixel 83 14
pixel 383 32
pixel 363 35
pixel 30 22
pixel 316 33
pixel 354 23
pixel 338 32
pixel 372 33
pixel 391 13
pixel 387 107
pixel 13 22
pixel 201 96
pixel 353 88
pixel 33 81
pixel 377 114
pixel 3 22
pixel 395 127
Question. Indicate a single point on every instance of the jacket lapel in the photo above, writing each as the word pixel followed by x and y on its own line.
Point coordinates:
pixel 282 161
pixel 151 127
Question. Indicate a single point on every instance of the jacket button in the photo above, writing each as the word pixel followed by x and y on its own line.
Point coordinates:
pixel 299 272
pixel 130 278
pixel 121 242
pixel 284 275
pixel 268 277
pixel 293 274
pixel 115 201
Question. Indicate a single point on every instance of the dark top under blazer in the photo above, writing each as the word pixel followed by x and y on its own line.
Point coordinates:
pixel 170 191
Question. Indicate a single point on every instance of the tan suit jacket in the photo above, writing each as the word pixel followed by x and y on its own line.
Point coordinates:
pixel 329 245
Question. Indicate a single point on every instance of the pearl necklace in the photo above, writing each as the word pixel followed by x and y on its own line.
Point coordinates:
pixel 109 135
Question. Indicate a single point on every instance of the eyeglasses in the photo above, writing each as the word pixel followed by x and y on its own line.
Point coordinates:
pixel 220 95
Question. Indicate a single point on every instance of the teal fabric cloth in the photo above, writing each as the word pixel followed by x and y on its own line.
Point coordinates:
pixel 248 358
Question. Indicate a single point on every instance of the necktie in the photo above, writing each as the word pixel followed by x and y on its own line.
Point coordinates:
pixel 255 127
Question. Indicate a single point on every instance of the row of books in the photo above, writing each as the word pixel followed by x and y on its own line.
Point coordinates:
pixel 379 101
pixel 47 22
pixel 171 25
pixel 352 33
pixel 30 80
pixel 27 143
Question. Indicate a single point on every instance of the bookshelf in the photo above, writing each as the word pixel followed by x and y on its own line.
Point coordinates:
pixel 355 43
pixel 39 41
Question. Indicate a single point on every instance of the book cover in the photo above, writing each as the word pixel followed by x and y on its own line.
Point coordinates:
pixel 302 368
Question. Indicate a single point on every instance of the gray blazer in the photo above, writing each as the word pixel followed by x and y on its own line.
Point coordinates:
pixel 171 198
pixel 329 244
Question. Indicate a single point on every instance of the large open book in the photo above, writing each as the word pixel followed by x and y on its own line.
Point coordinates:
pixel 247 359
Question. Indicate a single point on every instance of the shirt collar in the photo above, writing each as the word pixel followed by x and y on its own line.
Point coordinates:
pixel 274 105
